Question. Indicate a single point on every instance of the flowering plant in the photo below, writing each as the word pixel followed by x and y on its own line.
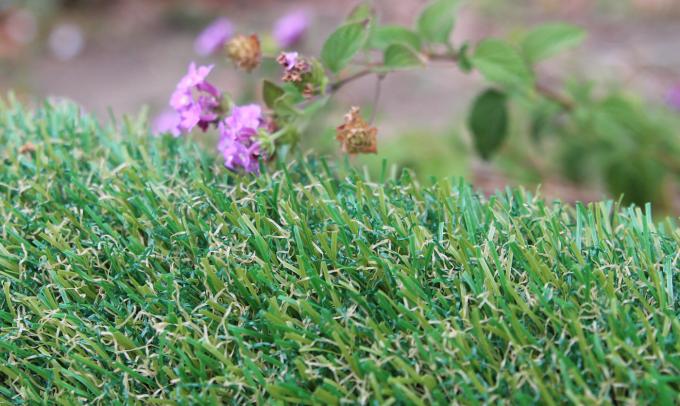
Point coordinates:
pixel 363 46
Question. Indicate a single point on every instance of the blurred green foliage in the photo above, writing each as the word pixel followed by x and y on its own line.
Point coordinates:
pixel 447 154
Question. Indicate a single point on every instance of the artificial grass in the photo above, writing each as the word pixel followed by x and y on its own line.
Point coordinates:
pixel 138 270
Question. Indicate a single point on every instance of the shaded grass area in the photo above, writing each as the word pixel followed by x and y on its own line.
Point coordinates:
pixel 136 269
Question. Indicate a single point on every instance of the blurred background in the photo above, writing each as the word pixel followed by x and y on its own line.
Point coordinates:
pixel 115 56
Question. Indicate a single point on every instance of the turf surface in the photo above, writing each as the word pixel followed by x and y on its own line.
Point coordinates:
pixel 137 270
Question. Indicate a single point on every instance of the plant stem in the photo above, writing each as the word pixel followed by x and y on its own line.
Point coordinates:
pixel 548 93
pixel 552 95
pixel 342 82
pixel 376 97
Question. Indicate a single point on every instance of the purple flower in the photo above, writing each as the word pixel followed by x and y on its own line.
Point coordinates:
pixel 673 98
pixel 195 76
pixel 290 28
pixel 238 138
pixel 289 60
pixel 166 122
pixel 214 37
pixel 195 100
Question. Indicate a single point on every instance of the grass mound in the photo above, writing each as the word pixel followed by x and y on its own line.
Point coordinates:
pixel 135 269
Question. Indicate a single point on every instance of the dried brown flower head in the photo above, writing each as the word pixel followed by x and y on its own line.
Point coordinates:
pixel 245 51
pixel 294 67
pixel 356 136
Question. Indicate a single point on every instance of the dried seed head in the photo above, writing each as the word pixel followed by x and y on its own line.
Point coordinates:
pixel 356 136
pixel 245 51
pixel 295 67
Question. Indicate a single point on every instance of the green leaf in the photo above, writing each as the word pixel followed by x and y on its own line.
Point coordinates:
pixel 436 21
pixel 365 13
pixel 343 44
pixel 398 56
pixel 500 62
pixel 549 39
pixel 488 121
pixel 361 12
pixel 285 104
pixel 271 92
pixel 386 35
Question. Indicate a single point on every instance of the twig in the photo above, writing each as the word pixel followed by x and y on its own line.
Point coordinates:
pixel 342 82
pixel 450 57
pixel 551 94
pixel 545 91
pixel 376 97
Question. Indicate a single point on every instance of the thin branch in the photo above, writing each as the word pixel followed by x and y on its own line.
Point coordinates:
pixel 545 91
pixel 376 97
pixel 342 82
pixel 551 94
pixel 449 57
